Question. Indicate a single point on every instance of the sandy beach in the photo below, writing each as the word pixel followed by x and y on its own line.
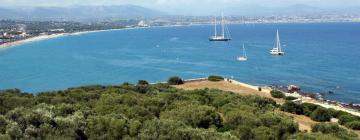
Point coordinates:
pixel 45 37
pixel 31 39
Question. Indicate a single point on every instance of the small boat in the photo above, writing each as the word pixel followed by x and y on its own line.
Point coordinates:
pixel 244 57
pixel 225 34
pixel 277 49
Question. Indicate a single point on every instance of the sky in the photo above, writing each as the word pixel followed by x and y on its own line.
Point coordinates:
pixel 185 6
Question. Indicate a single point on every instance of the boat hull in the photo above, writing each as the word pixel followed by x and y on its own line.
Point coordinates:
pixel 242 59
pixel 218 39
pixel 277 53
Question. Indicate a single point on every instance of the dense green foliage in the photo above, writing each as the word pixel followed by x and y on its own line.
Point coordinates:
pixel 290 98
pixel 334 130
pixel 175 81
pixel 142 111
pixel 292 107
pixel 277 94
pixel 355 125
pixel 320 114
pixel 215 78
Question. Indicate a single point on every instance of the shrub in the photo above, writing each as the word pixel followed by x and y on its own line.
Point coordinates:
pixel 337 113
pixel 277 94
pixel 326 128
pixel 309 108
pixel 290 98
pixel 321 115
pixel 343 119
pixel 355 125
pixel 215 78
pixel 143 82
pixel 175 81
pixel 3 124
pixel 292 107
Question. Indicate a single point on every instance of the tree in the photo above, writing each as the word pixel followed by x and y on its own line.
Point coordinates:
pixel 106 128
pixel 201 116
pixel 292 107
pixel 175 81
pixel 309 108
pixel 321 115
pixel 264 133
pixel 143 82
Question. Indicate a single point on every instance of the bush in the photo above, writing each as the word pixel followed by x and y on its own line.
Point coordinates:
pixel 215 78
pixel 290 98
pixel 277 94
pixel 355 125
pixel 309 108
pixel 343 119
pixel 143 82
pixel 326 128
pixel 321 115
pixel 337 113
pixel 292 107
pixel 175 81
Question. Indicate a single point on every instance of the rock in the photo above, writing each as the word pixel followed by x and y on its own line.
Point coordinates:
pixel 293 88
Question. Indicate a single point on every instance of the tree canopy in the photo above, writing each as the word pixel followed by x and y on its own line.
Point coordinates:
pixel 142 111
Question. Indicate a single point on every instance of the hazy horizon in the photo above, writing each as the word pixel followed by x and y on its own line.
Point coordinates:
pixel 187 7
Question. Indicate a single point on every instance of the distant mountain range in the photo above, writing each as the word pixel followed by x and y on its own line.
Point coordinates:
pixel 299 9
pixel 79 12
pixel 132 11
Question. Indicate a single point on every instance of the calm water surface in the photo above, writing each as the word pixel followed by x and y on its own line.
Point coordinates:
pixel 319 58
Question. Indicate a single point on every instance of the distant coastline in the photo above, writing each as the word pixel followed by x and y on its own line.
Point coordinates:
pixel 57 35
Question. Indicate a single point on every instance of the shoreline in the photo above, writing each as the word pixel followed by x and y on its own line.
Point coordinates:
pixel 57 35
pixel 52 36
pixel 303 99
pixel 266 91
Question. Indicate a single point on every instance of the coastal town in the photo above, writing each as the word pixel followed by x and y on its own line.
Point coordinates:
pixel 17 30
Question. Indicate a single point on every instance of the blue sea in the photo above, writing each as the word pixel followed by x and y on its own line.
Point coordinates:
pixel 320 57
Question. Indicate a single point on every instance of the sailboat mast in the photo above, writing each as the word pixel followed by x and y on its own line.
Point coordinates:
pixel 215 24
pixel 244 51
pixel 223 25
pixel 278 44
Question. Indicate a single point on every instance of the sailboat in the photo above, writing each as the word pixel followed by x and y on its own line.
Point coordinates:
pixel 277 49
pixel 225 34
pixel 244 57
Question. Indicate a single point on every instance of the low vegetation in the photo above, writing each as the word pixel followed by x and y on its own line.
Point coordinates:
pixel 277 94
pixel 326 131
pixel 148 112
pixel 175 81
pixel 321 114
pixel 290 98
pixel 215 78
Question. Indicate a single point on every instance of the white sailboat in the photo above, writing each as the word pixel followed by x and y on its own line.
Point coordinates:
pixel 277 49
pixel 244 57
pixel 225 34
